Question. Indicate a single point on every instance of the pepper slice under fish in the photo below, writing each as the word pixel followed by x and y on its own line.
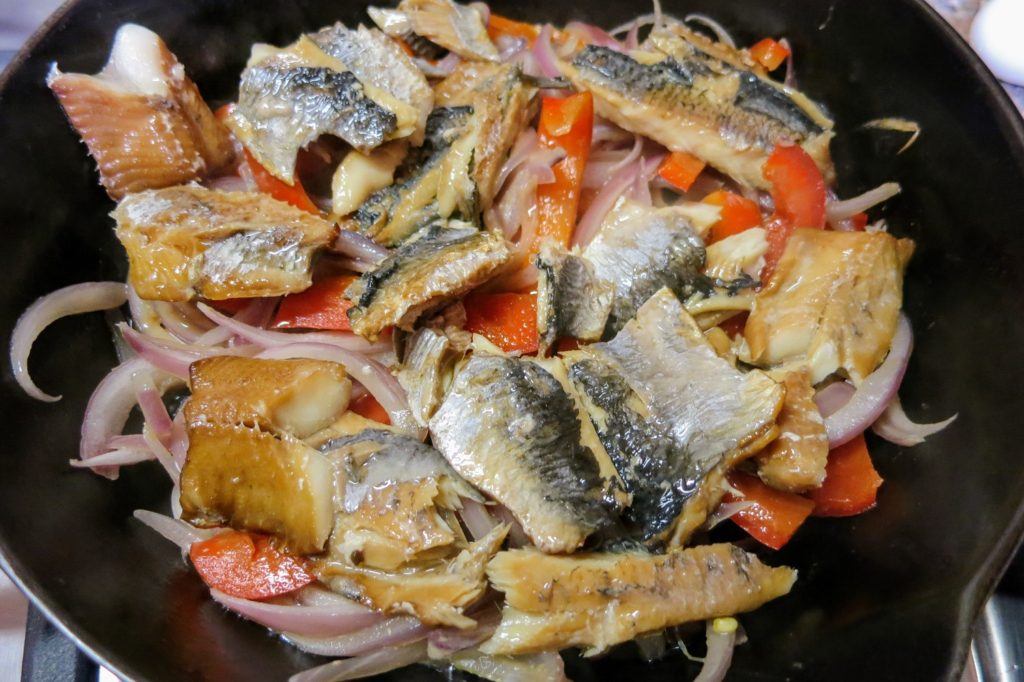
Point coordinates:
pixel 696 96
pixel 188 241
pixel 142 118
pixel 441 262
pixel 673 416
pixel 511 430
pixel 289 97
pixel 597 600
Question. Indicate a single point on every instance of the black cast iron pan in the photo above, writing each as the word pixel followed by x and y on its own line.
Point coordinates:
pixel 890 595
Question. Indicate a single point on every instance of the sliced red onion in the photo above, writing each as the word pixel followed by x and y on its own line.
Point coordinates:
pixel 175 358
pixel 88 297
pixel 376 663
pixel 593 35
pixel 166 459
pixel 339 618
pixel 720 33
pixel 108 409
pixel 517 202
pixel 359 246
pixel 517 537
pixel 145 316
pixel 439 69
pixel 389 632
pixel 444 642
pixel 510 47
pixel 179 532
pixel 836 211
pixel 356 265
pixel 632 40
pixel 477 518
pixel 483 10
pixel 154 412
pixel 719 656
pixel 726 511
pixel 367 371
pixel 179 439
pixel 896 427
pixel 605 131
pixel 123 456
pixel 597 172
pixel 590 223
pixel 228 183
pixel 181 320
pixel 833 397
pixel 876 391
pixel 790 78
pixel 547 60
pixel 269 339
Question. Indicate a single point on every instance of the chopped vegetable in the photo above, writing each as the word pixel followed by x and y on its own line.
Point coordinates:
pixel 798 190
pixel 774 516
pixel 680 169
pixel 851 481
pixel 498 25
pixel 507 320
pixel 322 306
pixel 738 214
pixel 367 406
pixel 769 53
pixel 567 123
pixel 248 566
pixel 268 184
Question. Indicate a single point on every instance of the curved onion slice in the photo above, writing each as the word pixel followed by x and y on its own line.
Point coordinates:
pixel 179 532
pixel 117 457
pixel 269 339
pixel 376 663
pixel 895 426
pixel 727 510
pixel 875 393
pixel 477 518
pixel 359 246
pixel 339 618
pixel 175 358
pixel 719 656
pixel 592 34
pixel 547 60
pixel 389 632
pixel 833 397
pixel 108 409
pixel 591 221
pixel 373 375
pixel 841 210
pixel 88 297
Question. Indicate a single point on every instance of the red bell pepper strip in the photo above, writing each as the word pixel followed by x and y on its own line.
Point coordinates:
pixel 248 566
pixel 769 53
pixel 567 123
pixel 851 481
pixel 508 320
pixel 798 190
pixel 322 306
pixel 680 169
pixel 735 325
pixel 367 406
pixel 738 214
pixel 775 515
pixel 498 25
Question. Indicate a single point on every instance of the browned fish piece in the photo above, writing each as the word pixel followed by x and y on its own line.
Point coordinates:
pixel 142 118
pixel 440 263
pixel 502 109
pixel 831 305
pixel 795 461
pixel 191 241
pixel 597 600
pixel 437 594
pixel 240 476
pixel 299 397
pixel 456 27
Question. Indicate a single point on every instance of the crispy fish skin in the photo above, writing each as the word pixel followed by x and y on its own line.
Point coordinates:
pixel 795 461
pixel 437 594
pixel 832 304
pixel 142 118
pixel 571 300
pixel 598 600
pixel 191 241
pixel 640 250
pixel 679 94
pixel 287 98
pixel 439 264
pixel 673 415
pixel 509 428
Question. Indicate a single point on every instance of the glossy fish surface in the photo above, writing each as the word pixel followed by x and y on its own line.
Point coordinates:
pixel 673 415
pixel 509 428
pixel 571 300
pixel 427 370
pixel 142 118
pixel 440 263
pixel 693 95
pixel 191 241
pixel 596 600
pixel 451 25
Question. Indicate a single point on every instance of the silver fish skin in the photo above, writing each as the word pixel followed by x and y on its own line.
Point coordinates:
pixel 427 370
pixel 672 415
pixel 438 264
pixel 639 250
pixel 571 300
pixel 456 27
pixel 693 95
pixel 509 428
